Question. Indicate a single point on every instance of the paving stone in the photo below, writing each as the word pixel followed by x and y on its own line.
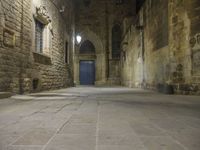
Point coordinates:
pixel 6 140
pixel 79 129
pixel 72 141
pixel 147 129
pixel 83 118
pixel 70 147
pixel 35 137
pixel 24 148
pixel 126 139
pixel 161 143
pixel 150 123
pixel 121 147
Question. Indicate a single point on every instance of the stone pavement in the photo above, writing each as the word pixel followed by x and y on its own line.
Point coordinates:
pixel 89 118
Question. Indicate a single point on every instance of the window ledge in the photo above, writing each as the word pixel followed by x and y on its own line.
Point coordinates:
pixel 41 58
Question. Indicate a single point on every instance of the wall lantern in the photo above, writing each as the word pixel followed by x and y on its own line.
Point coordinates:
pixel 78 39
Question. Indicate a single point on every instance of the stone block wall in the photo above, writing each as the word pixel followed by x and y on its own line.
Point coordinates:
pixel 20 66
pixel 163 47
pixel 94 22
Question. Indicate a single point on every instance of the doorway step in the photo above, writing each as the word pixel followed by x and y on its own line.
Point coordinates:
pixel 5 95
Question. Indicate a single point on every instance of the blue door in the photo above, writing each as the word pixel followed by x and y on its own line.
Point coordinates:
pixel 87 72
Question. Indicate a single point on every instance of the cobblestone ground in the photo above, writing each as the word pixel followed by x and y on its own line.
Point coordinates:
pixel 89 118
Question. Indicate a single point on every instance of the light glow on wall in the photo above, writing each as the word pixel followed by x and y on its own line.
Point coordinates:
pixel 139 60
pixel 78 39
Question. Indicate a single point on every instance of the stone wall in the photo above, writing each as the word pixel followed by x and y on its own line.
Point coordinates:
pixel 94 22
pixel 162 47
pixel 20 65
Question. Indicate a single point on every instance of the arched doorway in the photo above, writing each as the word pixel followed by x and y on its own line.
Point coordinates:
pixel 87 66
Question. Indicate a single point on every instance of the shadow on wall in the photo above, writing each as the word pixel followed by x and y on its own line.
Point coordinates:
pixel 165 88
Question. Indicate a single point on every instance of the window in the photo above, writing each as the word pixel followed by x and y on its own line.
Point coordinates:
pixel 116 41
pixel 119 2
pixel 66 53
pixel 39 29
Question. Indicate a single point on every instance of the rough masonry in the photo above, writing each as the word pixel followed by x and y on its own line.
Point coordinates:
pixel 20 66
pixel 162 48
pixel 153 45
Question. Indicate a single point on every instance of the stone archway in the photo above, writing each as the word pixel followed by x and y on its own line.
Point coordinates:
pixel 99 57
pixel 89 35
pixel 87 67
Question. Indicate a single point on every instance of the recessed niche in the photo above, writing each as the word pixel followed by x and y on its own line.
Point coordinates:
pixel 35 84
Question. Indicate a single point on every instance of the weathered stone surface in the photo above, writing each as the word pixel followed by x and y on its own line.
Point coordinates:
pixel 89 118
pixel 19 66
pixel 169 38
pixel 5 95
pixel 155 42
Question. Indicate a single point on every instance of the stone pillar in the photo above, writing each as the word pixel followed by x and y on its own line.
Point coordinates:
pixel 76 71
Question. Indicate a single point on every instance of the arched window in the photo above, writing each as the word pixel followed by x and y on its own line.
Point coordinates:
pixel 87 48
pixel 116 41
